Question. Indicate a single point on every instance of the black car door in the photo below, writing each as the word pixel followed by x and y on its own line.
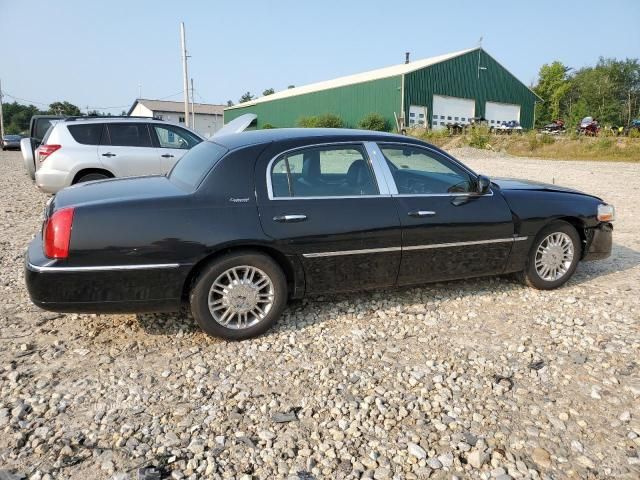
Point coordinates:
pixel 325 205
pixel 448 231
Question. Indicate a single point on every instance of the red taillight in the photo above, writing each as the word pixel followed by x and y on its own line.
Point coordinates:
pixel 57 233
pixel 44 151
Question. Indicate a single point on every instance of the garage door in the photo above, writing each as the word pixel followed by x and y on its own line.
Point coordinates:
pixel 452 110
pixel 496 113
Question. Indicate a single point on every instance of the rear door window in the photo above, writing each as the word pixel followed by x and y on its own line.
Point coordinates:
pixel 129 135
pixel 332 171
pixel 89 134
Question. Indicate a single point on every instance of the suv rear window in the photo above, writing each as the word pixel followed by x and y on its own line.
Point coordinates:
pixel 129 135
pixel 194 165
pixel 87 134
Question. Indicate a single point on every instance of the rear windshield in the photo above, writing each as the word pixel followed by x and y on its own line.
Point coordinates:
pixel 42 125
pixel 191 169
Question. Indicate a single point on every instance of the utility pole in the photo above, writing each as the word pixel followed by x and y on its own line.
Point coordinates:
pixel 1 115
pixel 185 74
pixel 193 110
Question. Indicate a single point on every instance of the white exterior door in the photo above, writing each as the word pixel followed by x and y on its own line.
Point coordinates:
pixel 496 113
pixel 417 116
pixel 452 110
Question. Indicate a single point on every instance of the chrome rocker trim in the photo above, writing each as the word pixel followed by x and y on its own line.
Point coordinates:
pixel 105 268
pixel 411 247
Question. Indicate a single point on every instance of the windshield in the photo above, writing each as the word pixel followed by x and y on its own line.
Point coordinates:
pixel 192 168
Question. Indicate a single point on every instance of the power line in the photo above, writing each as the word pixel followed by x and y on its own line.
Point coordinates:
pixel 90 107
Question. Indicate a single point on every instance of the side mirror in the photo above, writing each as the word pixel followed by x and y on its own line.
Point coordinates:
pixel 483 184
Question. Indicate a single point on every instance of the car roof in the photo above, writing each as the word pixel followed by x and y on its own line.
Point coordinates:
pixel 254 137
pixel 76 120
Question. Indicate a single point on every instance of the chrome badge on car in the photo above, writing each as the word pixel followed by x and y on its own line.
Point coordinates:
pixel 238 200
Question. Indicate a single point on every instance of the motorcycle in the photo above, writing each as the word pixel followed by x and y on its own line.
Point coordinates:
pixel 554 128
pixel 588 126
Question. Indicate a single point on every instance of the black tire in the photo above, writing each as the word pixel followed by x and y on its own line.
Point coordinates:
pixel 90 177
pixel 532 277
pixel 199 296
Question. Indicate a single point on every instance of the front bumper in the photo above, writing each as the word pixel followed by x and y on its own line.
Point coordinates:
pixel 599 242
pixel 55 286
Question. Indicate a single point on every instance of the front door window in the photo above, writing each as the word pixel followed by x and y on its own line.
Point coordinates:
pixel 417 172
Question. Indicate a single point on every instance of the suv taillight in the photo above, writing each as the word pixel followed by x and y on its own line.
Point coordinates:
pixel 57 233
pixel 44 151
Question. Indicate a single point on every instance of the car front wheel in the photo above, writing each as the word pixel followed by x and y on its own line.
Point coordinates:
pixel 554 256
pixel 239 295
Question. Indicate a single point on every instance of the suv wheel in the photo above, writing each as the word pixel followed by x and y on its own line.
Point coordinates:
pixel 239 295
pixel 554 256
pixel 90 177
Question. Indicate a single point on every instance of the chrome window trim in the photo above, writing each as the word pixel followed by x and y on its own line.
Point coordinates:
pixel 381 167
pixel 382 187
pixel 104 268
pixel 412 247
pixel 389 176
pixel 277 199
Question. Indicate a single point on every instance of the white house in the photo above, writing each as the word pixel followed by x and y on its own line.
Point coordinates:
pixel 208 117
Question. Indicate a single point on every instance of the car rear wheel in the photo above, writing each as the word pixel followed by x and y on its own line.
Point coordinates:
pixel 239 295
pixel 90 177
pixel 554 256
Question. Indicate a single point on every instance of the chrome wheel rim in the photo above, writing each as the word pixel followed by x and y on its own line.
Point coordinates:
pixel 554 256
pixel 241 297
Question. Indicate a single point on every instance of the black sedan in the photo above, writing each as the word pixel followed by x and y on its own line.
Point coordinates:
pixel 250 220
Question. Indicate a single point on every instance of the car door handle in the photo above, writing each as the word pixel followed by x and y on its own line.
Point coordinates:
pixel 290 218
pixel 421 213
pixel 108 154
pixel 167 155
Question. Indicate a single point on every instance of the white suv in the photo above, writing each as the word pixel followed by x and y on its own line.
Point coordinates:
pixel 78 149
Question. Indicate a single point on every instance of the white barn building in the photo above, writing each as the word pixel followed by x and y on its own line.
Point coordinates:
pixel 208 117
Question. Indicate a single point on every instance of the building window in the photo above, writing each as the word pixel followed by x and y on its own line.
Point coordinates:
pixel 159 117
pixel 181 119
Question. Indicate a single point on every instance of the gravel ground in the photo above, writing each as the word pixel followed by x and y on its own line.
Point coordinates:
pixel 482 378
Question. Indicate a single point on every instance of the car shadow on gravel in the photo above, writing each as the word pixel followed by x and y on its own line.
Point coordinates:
pixel 622 258
pixel 168 323
pixel 302 313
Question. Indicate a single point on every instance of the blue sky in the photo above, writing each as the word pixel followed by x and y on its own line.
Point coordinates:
pixel 97 53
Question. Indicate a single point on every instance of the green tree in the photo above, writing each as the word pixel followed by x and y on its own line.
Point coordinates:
pixel 246 97
pixel 64 108
pixel 291 86
pixel 17 117
pixel 268 91
pixel 553 86
pixel 230 103
pixel 374 121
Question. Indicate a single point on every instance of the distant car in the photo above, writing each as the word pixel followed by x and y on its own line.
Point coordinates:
pixel 246 221
pixel 38 127
pixel 83 149
pixel 11 142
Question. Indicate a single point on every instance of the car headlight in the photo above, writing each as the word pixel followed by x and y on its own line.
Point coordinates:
pixel 606 213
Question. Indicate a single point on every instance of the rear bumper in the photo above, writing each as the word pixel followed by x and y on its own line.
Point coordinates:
pixel 51 181
pixel 55 286
pixel 599 242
